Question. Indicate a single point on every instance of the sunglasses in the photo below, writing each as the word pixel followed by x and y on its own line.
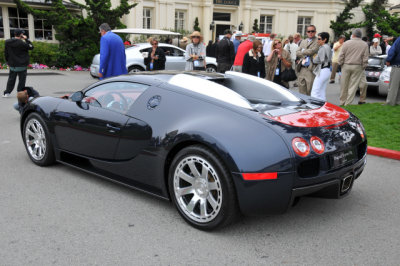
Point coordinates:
pixel 319 39
pixel 156 43
pixel 310 31
pixel 197 37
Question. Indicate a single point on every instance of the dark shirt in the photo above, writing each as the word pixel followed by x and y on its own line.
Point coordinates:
pixel 225 52
pixel 158 64
pixel 16 52
pixel 253 66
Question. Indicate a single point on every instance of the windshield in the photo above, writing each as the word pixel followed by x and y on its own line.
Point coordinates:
pixel 373 61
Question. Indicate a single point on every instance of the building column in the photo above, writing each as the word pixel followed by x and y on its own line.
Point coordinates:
pixel 207 19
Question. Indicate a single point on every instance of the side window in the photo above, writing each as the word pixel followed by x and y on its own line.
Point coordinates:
pixel 167 51
pixel 117 96
pixel 177 52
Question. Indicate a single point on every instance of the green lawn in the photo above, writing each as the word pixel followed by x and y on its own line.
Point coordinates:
pixel 381 122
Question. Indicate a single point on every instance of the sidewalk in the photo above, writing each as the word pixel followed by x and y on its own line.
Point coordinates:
pixel 39 72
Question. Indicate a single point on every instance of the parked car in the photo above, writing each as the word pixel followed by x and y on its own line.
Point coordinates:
pixel 216 145
pixel 135 61
pixel 376 65
pixel 384 81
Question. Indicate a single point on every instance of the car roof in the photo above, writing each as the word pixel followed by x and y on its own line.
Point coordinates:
pixel 147 45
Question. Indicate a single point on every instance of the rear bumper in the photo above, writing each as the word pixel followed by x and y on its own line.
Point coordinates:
pixel 276 196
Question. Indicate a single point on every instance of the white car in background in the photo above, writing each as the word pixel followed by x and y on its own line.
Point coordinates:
pixel 384 81
pixel 135 61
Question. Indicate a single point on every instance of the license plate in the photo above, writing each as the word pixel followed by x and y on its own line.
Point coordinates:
pixel 341 158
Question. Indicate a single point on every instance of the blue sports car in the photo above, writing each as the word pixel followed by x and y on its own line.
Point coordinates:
pixel 216 145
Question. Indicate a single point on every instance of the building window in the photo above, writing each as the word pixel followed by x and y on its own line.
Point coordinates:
pixel 266 24
pixel 146 18
pixel 179 20
pixel 302 23
pixel 43 30
pixel 18 19
pixel 222 16
pixel 1 23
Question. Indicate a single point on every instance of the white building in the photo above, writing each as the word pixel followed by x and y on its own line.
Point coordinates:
pixel 280 16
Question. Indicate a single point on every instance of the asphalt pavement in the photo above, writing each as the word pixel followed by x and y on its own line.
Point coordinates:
pixel 61 216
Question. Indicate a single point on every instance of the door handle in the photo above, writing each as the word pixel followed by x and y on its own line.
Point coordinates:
pixel 112 129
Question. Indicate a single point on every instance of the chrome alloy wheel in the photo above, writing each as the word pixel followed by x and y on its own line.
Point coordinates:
pixel 197 189
pixel 35 139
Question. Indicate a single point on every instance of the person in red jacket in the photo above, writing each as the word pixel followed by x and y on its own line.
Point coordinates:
pixel 243 48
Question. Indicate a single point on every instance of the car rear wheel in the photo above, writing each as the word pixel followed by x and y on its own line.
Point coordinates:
pixel 202 188
pixel 37 141
pixel 211 68
pixel 134 69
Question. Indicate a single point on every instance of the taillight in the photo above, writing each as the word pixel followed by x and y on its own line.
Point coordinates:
pixel 317 145
pixel 300 146
pixel 360 130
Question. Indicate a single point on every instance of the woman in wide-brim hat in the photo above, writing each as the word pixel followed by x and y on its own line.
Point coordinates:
pixel 195 53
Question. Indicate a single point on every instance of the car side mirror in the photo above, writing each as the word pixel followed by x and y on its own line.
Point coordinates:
pixel 76 96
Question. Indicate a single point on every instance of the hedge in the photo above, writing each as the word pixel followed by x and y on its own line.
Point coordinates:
pixel 43 53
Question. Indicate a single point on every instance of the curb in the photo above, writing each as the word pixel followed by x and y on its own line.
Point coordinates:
pixel 391 154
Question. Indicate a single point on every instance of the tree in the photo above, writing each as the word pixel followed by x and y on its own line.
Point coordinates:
pixel 255 26
pixel 376 16
pixel 196 25
pixel 79 35
pixel 341 26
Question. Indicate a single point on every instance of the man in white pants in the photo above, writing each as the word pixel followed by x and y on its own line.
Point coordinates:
pixel 322 71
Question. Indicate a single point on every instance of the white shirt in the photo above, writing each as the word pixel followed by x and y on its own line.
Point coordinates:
pixel 267 47
pixel 292 48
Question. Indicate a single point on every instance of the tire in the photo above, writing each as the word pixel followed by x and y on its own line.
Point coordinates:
pixel 37 140
pixel 134 69
pixel 208 203
pixel 211 68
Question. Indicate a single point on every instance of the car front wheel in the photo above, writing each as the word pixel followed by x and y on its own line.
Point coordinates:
pixel 37 141
pixel 202 188
pixel 134 69
pixel 211 68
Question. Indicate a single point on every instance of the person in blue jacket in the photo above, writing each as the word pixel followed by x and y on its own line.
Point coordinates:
pixel 112 53
pixel 393 60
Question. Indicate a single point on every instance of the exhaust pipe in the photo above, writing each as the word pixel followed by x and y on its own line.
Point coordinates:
pixel 346 184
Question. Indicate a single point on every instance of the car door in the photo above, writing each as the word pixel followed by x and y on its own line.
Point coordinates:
pixel 175 58
pixel 92 127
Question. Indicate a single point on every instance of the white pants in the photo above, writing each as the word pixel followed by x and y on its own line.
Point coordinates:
pixel 320 83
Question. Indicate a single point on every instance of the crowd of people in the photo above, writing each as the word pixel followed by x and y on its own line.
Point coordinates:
pixel 311 63
pixel 314 60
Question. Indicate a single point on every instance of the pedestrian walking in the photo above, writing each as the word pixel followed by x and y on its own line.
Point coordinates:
pixel 278 60
pixel 16 53
pixel 195 53
pixel 112 53
pixel 225 52
pixel 353 59
pixel 337 47
pixel 253 61
pixel 244 47
pixel 393 60
pixel 155 59
pixel 322 70
pixel 307 50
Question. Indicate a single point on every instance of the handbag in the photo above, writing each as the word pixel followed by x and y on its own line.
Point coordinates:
pixel 288 75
